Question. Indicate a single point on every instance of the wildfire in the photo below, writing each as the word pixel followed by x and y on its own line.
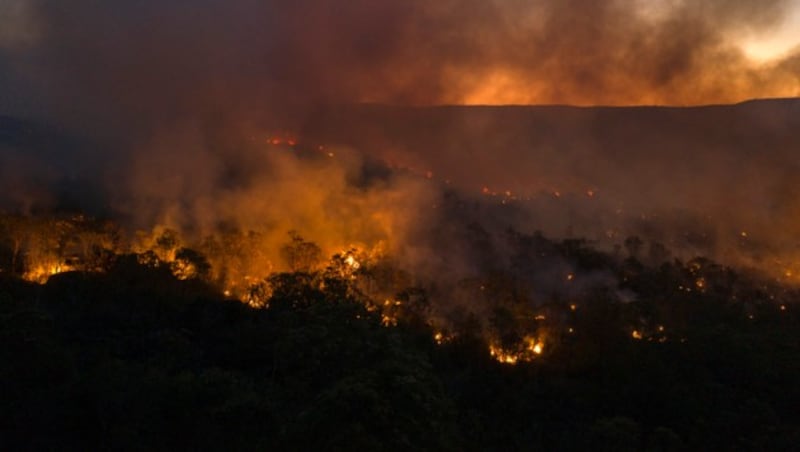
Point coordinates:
pixel 656 333
pixel 240 265
pixel 352 262
pixel 389 312
pixel 283 138
pixel 42 272
pixel 502 356
pixel 442 338
pixel 700 283
pixel 526 351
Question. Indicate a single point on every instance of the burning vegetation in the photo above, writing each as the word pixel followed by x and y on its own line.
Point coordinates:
pixel 515 304
pixel 408 243
pixel 161 312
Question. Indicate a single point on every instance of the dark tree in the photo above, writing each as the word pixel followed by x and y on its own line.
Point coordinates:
pixel 299 254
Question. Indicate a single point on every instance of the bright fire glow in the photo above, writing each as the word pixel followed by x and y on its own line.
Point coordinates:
pixel 352 262
pixel 40 273
pixel 526 351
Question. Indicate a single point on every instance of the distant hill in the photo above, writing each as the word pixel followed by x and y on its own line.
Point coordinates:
pixel 734 167
pixel 531 147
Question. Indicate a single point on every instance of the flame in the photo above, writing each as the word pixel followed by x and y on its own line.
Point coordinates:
pixel 282 138
pixel 441 338
pixel 700 283
pixel 352 262
pixel 41 273
pixel 526 351
pixel 502 356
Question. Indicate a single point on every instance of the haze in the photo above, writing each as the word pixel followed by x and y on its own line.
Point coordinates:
pixel 173 104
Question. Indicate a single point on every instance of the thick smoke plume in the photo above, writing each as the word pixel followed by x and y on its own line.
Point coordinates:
pixel 149 61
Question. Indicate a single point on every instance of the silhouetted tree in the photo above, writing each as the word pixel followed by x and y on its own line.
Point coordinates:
pixel 299 254
pixel 189 264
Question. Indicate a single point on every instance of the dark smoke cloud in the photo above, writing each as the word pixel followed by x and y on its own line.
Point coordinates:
pixel 145 62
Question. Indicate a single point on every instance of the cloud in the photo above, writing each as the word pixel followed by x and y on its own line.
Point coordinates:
pixel 151 61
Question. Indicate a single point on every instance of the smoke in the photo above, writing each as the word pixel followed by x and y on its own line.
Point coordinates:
pixel 272 191
pixel 715 181
pixel 175 100
pixel 118 64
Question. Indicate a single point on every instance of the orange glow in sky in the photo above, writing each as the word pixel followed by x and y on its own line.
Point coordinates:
pixel 778 42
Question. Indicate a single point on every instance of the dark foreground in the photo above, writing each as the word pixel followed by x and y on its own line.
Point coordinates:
pixel 133 359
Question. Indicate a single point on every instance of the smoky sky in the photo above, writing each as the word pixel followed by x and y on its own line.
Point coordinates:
pixel 150 61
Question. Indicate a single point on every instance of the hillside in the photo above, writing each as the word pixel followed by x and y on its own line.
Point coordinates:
pixel 530 147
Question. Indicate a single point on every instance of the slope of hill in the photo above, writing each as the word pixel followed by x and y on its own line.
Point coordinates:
pixel 531 147
pixel 727 169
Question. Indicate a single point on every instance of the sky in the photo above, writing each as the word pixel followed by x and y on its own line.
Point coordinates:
pixel 777 41
pixel 155 59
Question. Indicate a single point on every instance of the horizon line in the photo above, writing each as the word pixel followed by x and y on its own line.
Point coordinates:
pixel 587 106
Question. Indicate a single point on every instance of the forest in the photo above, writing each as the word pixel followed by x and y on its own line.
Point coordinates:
pixel 109 345
pixel 322 225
